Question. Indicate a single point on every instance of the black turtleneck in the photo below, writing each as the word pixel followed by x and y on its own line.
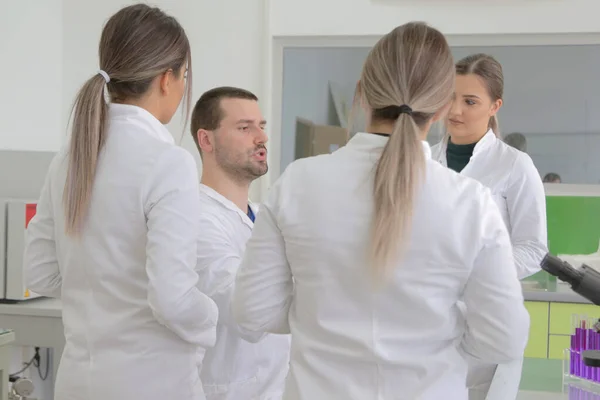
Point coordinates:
pixel 458 155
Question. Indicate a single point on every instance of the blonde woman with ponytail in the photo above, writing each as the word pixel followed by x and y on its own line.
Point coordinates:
pixel 115 232
pixel 472 148
pixel 364 254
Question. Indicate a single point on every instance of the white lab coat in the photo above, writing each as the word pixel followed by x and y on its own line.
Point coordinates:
pixel 242 365
pixel 305 271
pixel 518 191
pixel 136 326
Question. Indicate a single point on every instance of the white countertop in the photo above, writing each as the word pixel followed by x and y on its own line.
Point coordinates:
pixel 40 307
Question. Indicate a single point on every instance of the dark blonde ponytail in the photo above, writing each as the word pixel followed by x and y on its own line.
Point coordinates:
pixel 408 77
pixel 87 138
pixel 137 44
pixel 398 173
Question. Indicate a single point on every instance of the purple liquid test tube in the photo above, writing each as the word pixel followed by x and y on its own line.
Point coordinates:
pixel 584 347
pixel 596 371
pixel 592 346
pixel 572 356
pixel 577 349
pixel 574 343
pixel 588 369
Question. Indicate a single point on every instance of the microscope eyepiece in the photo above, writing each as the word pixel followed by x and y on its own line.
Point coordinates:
pixel 561 269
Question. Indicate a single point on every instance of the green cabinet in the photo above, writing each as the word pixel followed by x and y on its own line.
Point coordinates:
pixel 552 325
pixel 557 345
pixel 561 324
pixel 561 316
pixel 537 346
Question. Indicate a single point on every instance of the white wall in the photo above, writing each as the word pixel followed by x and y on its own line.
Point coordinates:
pixel 50 48
pixel 30 74
pixel 374 17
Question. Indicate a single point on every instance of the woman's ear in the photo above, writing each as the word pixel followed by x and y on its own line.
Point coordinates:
pixel 496 107
pixel 165 81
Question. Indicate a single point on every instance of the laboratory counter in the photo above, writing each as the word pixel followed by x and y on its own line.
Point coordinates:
pixel 551 292
pixel 38 322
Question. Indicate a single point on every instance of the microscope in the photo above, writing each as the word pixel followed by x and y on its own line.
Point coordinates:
pixel 585 281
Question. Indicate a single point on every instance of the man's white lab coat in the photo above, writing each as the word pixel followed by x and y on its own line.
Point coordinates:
pixel 242 365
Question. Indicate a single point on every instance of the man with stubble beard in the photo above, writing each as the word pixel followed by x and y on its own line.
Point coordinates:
pixel 229 131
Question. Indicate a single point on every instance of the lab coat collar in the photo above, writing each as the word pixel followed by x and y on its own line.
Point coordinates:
pixel 484 143
pixel 370 142
pixel 155 128
pixel 230 205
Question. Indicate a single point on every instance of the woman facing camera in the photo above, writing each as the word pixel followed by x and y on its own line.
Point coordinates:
pixel 473 149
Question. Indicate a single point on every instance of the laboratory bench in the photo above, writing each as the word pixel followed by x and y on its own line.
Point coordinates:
pixel 38 322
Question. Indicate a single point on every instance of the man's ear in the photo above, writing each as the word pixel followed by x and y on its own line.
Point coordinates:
pixel 206 140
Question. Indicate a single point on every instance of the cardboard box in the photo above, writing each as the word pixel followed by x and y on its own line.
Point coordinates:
pixel 313 139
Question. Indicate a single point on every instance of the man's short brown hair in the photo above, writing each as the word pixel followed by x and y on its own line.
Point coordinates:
pixel 208 113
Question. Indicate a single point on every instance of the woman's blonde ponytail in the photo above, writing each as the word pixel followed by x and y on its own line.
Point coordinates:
pixel 138 44
pixel 407 78
pixel 87 139
pixel 397 177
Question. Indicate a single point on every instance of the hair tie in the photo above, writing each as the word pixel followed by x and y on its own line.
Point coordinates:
pixel 404 109
pixel 104 75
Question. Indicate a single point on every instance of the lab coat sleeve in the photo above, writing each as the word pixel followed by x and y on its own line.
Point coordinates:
pixel 172 213
pixel 42 274
pixel 497 323
pixel 217 264
pixel 526 201
pixel 264 283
